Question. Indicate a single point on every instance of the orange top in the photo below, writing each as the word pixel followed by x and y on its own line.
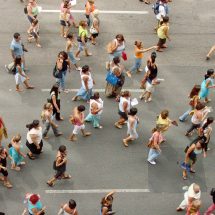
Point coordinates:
pixel 89 8
pixel 138 55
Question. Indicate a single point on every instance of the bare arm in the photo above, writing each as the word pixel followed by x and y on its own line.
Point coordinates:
pixel 55 103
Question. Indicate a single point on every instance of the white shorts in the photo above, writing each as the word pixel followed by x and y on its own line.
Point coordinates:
pixel 77 128
pixel 149 87
pixel 19 78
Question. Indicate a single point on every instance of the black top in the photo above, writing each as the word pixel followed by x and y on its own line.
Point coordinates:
pixel 153 73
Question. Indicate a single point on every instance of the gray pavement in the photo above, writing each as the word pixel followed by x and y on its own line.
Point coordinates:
pixel 101 161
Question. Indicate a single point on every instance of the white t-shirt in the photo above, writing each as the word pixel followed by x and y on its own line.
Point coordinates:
pixel 191 194
pixel 162 11
pixel 37 132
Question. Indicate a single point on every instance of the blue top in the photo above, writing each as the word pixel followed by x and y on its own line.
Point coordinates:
pixel 22 66
pixel 16 47
pixel 17 158
pixel 204 92
pixel 38 206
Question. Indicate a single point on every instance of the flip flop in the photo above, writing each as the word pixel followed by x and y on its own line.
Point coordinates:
pixel 31 157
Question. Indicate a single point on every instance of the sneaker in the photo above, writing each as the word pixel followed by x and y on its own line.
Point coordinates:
pixel 151 162
pixel 77 58
pixel 78 68
pixel 6 68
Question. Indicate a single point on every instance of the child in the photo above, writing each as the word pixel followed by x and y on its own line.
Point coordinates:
pixel 69 48
pixel 138 52
pixel 60 166
pixel 15 153
pixel 34 33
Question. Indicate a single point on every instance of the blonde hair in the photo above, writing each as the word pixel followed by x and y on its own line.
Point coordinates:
pixel 96 12
pixel 195 206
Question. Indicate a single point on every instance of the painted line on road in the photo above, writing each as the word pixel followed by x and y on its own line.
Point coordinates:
pixel 102 11
pixel 98 90
pixel 97 191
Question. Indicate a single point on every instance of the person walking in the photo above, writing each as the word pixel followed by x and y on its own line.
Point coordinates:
pixel 89 9
pixel 32 11
pixel 34 204
pixel 96 109
pixel 154 144
pixel 193 193
pixel 3 131
pixel 94 29
pixel 47 118
pixel 124 108
pixel 116 47
pixel 65 18
pixel 194 99
pixel 60 69
pixel 132 124
pixel 59 166
pixel 77 119
pixel 68 208
pixel 212 206
pixel 107 204
pixel 54 99
pixel 16 154
pixel 206 85
pixel 163 34
pixel 17 50
pixel 116 69
pixel 139 51
pixel 34 33
pixel 199 114
pixel 20 76
pixel 192 152
pixel 3 167
pixel 87 83
pixel 165 122
pixel 150 81
pixel 161 11
pixel 82 40
pixel 34 140
pixel 69 49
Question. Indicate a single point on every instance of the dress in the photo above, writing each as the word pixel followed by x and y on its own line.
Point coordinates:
pixel 204 90
pixel 132 132
pixel 17 158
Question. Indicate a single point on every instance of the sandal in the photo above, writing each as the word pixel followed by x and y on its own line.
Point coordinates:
pixel 31 157
pixel 8 184
pixel 67 176
pixel 50 184
pixel 185 177
pixel 192 171
pixel 125 143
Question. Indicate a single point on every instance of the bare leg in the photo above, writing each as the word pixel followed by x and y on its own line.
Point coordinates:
pixel 77 53
pixel 210 52
pixel 27 85
pixel 85 134
pixel 72 137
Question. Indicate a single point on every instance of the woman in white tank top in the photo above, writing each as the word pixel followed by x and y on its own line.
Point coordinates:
pixel 69 208
pixel 87 83
pixel 96 108
pixel 124 108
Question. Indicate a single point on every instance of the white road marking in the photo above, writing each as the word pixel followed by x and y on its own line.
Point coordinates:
pixel 102 11
pixel 98 90
pixel 97 191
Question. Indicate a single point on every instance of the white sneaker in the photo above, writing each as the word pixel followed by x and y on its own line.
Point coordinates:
pixel 77 58
pixel 151 162
pixel 78 68
pixel 6 68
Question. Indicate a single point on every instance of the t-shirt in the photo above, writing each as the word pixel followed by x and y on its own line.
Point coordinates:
pixel 191 194
pixel 37 132
pixel 16 47
pixel 138 55
pixel 162 11
pixel 82 32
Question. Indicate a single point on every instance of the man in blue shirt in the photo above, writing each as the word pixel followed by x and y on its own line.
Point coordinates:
pixel 17 50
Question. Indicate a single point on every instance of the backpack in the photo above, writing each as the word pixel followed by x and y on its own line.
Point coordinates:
pixel 156 6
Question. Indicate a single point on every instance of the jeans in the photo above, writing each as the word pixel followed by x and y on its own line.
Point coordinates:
pixel 137 64
pixel 184 116
pixel 210 209
pixel 193 126
pixel 61 81
pixel 153 154
pixel 47 127
pixel 95 119
pixel 72 58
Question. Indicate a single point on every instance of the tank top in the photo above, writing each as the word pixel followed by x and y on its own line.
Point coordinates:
pixel 120 47
pixel 22 67
pixel 66 213
pixel 89 81
pixel 38 206
pixel 195 120
pixel 35 11
pixel 160 31
pixel 99 103
pixel 122 100
pixel 153 73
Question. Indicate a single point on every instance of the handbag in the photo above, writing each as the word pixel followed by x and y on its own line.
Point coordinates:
pixel 5 132
pixel 111 78
pixel 93 30
pixel 150 143
pixel 124 56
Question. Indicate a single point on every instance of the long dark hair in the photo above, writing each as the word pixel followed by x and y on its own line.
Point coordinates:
pixel 195 91
pixel 34 124
pixel 209 73
pixel 208 122
pixel 55 89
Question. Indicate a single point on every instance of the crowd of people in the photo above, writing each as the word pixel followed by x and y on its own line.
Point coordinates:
pixel 38 129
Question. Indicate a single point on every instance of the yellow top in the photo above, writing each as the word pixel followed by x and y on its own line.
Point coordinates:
pixel 161 31
pixel 164 122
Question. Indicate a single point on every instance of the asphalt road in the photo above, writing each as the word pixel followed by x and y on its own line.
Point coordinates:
pixel 101 161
